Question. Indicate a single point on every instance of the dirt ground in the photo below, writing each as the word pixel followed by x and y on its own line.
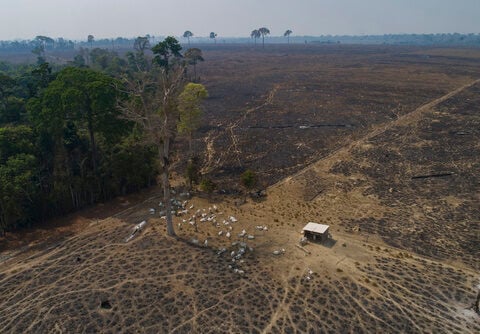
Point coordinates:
pixel 400 193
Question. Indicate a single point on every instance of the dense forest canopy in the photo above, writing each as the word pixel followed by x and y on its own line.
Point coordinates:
pixel 64 142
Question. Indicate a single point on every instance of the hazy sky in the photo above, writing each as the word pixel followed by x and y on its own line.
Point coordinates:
pixel 75 19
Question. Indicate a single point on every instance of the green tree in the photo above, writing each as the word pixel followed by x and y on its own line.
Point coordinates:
pixel 187 34
pixel 193 56
pixel 167 53
pixel 15 140
pixel 17 189
pixel 207 185
pixel 107 61
pixel 84 97
pixel 189 110
pixel 287 34
pixel 17 175
pixel 10 106
pixel 249 179
pixel 264 32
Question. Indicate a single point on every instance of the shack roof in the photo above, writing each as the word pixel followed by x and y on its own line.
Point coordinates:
pixel 316 228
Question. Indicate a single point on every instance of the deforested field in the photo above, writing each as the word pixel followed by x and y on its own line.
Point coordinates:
pixel 379 142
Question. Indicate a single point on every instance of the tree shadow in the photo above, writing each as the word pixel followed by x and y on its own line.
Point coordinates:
pixel 329 242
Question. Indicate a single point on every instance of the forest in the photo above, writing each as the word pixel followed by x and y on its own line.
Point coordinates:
pixel 78 134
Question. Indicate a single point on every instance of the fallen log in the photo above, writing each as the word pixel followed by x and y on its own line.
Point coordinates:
pixel 138 228
pixel 303 249
pixel 431 175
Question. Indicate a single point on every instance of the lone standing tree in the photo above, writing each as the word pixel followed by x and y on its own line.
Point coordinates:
pixel 213 36
pixel 264 32
pixel 152 102
pixel 287 34
pixel 90 40
pixel 187 34
pixel 255 34
pixel 249 180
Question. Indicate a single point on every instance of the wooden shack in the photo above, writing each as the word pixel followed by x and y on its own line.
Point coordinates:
pixel 316 232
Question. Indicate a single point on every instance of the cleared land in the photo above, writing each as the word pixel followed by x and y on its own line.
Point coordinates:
pixel 399 186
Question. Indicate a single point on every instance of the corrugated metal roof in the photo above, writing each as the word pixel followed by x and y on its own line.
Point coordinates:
pixel 316 228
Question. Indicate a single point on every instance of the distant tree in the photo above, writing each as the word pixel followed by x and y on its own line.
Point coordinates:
pixel 264 32
pixel 189 110
pixel 46 41
pixel 107 61
pixel 167 53
pixel 255 34
pixel 6 86
pixel 193 56
pixel 78 61
pixel 141 43
pixel 287 34
pixel 187 34
pixel 39 51
pixel 90 40
pixel 213 36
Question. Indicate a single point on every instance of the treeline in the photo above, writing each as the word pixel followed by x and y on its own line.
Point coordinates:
pixel 39 42
pixel 64 143
pixel 45 43
pixel 454 39
pixel 49 44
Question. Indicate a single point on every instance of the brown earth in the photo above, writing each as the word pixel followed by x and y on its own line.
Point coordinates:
pixel 404 254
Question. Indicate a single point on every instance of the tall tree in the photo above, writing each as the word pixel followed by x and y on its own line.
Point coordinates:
pixel 167 53
pixel 187 34
pixel 255 34
pixel 84 97
pixel 153 104
pixel 287 34
pixel 193 56
pixel 90 40
pixel 264 32
pixel 213 36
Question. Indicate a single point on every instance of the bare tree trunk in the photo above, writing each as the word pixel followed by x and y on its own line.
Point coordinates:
pixel 94 146
pixel 164 155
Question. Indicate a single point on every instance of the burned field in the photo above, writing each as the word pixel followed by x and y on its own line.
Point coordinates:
pixel 278 110
pixel 380 143
pixel 426 173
